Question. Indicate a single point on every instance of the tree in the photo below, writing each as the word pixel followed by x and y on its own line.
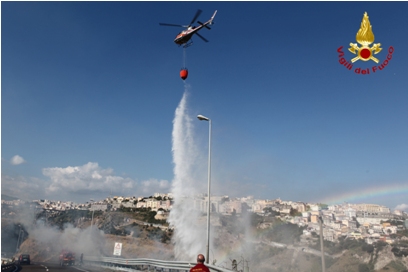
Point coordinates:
pixel 363 268
pixel 271 211
pixel 294 212
pixel 380 245
pixel 323 206
pixel 368 248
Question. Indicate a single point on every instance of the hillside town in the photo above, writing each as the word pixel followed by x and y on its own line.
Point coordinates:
pixel 370 222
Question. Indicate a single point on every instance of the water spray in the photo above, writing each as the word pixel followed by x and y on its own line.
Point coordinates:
pixel 183 216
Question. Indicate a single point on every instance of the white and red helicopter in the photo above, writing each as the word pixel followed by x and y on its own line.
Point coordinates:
pixel 184 36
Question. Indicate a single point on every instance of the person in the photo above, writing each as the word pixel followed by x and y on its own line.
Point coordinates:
pixel 200 266
pixel 81 259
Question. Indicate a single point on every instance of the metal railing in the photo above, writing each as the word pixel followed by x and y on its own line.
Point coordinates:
pixel 142 264
pixel 8 265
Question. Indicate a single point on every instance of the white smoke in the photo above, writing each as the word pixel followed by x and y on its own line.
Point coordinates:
pixel 44 241
pixel 189 236
pixel 89 241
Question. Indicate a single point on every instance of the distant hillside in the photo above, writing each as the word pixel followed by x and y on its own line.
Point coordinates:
pixel 8 198
pixel 280 246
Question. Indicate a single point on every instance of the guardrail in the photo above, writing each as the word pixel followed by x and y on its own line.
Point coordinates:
pixel 7 266
pixel 142 264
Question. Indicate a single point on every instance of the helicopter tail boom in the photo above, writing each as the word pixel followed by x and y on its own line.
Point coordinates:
pixel 212 18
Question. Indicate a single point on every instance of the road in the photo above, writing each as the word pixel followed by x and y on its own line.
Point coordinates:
pixel 51 267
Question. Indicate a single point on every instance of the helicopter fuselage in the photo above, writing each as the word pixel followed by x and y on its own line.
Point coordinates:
pixel 185 35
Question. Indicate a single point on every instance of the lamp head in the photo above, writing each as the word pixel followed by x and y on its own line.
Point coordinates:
pixel 202 118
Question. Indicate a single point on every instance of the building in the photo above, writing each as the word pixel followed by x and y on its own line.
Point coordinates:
pixel 229 207
pixel 371 208
pixel 99 207
pixel 202 205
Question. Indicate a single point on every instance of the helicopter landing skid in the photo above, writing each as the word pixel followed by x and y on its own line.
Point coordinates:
pixel 187 44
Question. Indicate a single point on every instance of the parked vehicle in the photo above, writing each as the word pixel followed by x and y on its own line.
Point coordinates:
pixel 67 258
pixel 24 259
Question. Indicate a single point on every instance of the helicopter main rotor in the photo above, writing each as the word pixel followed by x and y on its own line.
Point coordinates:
pixel 186 26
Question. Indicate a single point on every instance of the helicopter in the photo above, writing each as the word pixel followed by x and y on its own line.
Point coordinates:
pixel 184 36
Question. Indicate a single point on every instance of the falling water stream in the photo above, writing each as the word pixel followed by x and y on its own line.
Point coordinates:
pixel 189 236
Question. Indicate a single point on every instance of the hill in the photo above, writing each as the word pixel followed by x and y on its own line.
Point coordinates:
pixel 8 198
pixel 278 247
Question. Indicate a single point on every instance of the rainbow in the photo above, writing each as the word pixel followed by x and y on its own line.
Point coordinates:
pixel 366 193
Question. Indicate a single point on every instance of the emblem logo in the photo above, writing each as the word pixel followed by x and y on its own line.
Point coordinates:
pixel 365 37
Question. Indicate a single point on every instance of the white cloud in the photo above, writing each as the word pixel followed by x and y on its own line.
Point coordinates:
pixel 152 186
pixel 88 177
pixel 16 160
pixel 402 207
pixel 22 187
pixel 78 183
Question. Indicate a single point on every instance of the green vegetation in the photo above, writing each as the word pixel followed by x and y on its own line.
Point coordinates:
pixel 142 214
pixel 272 212
pixel 398 252
pixel 125 209
pixel 364 268
pixel 286 233
pixel 397 266
pixel 380 245
pixel 344 244
pixel 403 232
pixel 69 217
pixel 393 222
pixel 294 212
pixel 118 232
pixel 323 206
pixel 159 235
pixel 368 248
pixel 147 215
pixel 236 225
pixel 149 232
pixel 253 218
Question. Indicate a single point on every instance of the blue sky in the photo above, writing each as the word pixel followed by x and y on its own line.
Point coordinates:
pixel 89 90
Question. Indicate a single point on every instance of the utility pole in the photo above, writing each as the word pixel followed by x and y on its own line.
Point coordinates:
pixel 246 267
pixel 321 243
pixel 18 240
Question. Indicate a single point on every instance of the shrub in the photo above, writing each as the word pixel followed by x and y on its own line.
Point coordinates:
pixel 368 248
pixel 363 268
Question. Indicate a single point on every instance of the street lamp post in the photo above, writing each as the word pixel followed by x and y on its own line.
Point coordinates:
pixel 321 243
pixel 18 240
pixel 93 210
pixel 203 118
